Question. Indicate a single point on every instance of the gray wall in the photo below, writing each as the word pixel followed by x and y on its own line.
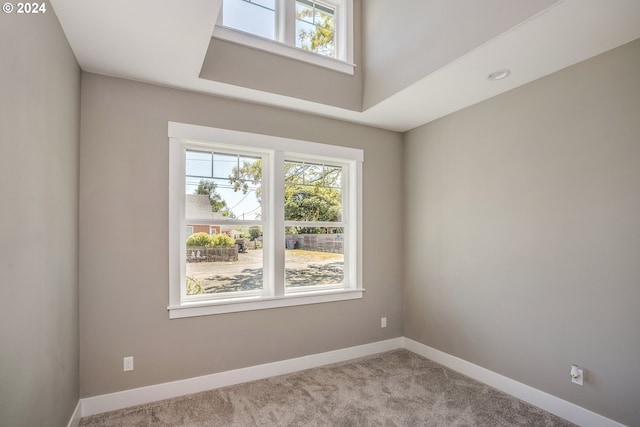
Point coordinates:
pixel 247 67
pixel 406 40
pixel 123 208
pixel 39 141
pixel 523 233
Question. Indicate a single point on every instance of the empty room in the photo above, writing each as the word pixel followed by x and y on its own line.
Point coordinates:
pixel 320 213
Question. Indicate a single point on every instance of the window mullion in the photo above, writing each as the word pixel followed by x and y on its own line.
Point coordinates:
pixel 288 22
pixel 277 220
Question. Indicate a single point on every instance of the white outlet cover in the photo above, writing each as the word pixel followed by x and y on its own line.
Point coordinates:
pixel 128 363
pixel 580 379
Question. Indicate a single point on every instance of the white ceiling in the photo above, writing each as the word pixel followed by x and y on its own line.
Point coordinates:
pixel 165 41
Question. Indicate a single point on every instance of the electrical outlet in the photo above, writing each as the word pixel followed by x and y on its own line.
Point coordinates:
pixel 128 363
pixel 577 375
pixel 383 322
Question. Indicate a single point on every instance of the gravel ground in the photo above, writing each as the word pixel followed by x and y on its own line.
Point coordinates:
pixel 303 268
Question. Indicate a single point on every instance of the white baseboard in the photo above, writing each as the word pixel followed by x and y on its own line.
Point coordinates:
pixel 123 399
pixel 138 396
pixel 567 410
pixel 74 421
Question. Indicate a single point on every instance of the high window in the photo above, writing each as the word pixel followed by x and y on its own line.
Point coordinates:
pixel 315 27
pixel 322 30
pixel 257 17
pixel 280 221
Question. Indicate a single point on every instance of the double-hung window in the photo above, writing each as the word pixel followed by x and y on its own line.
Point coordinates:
pixel 319 32
pixel 260 222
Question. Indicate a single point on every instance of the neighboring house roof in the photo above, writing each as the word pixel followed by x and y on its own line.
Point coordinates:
pixel 197 206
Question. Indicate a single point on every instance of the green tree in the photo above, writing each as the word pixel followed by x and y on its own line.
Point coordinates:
pixel 320 40
pixel 312 191
pixel 208 187
pixel 249 172
pixel 311 204
pixel 255 232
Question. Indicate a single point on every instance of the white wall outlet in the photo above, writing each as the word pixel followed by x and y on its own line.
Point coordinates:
pixel 383 322
pixel 577 375
pixel 128 363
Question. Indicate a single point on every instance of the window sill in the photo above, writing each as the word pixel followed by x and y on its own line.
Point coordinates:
pixel 205 308
pixel 250 40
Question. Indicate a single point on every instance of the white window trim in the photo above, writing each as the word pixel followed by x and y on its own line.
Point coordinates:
pixel 286 47
pixel 179 134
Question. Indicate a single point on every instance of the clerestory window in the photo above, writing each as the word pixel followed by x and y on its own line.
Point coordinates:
pixel 315 27
pixel 319 32
pixel 279 220
pixel 257 17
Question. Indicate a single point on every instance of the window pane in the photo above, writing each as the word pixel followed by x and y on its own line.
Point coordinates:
pixel 333 176
pixel 314 257
pixel 224 165
pixel 304 12
pixel 230 260
pixel 223 186
pixel 312 192
pixel 315 27
pixel 269 4
pixel 314 174
pixel 255 17
pixel 198 163
pixel 324 12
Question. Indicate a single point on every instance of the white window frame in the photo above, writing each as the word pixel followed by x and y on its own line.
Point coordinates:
pixel 276 149
pixel 285 32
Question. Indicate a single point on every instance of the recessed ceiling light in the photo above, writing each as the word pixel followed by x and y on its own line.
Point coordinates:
pixel 499 75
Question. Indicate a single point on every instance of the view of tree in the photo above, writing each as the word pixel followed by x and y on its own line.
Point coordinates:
pixel 312 191
pixel 255 232
pixel 208 187
pixel 306 203
pixel 321 38
pixel 249 172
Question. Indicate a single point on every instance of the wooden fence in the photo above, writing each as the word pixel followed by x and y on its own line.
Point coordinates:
pixel 333 243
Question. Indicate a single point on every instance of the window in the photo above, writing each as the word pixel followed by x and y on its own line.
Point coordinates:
pixel 283 221
pixel 319 32
pixel 315 27
pixel 256 17
pixel 314 228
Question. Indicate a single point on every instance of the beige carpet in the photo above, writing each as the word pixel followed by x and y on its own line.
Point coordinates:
pixel 397 388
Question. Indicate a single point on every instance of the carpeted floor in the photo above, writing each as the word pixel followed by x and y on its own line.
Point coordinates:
pixel 397 388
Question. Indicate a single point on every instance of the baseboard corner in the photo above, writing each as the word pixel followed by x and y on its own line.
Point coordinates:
pixel 562 408
pixel 74 421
